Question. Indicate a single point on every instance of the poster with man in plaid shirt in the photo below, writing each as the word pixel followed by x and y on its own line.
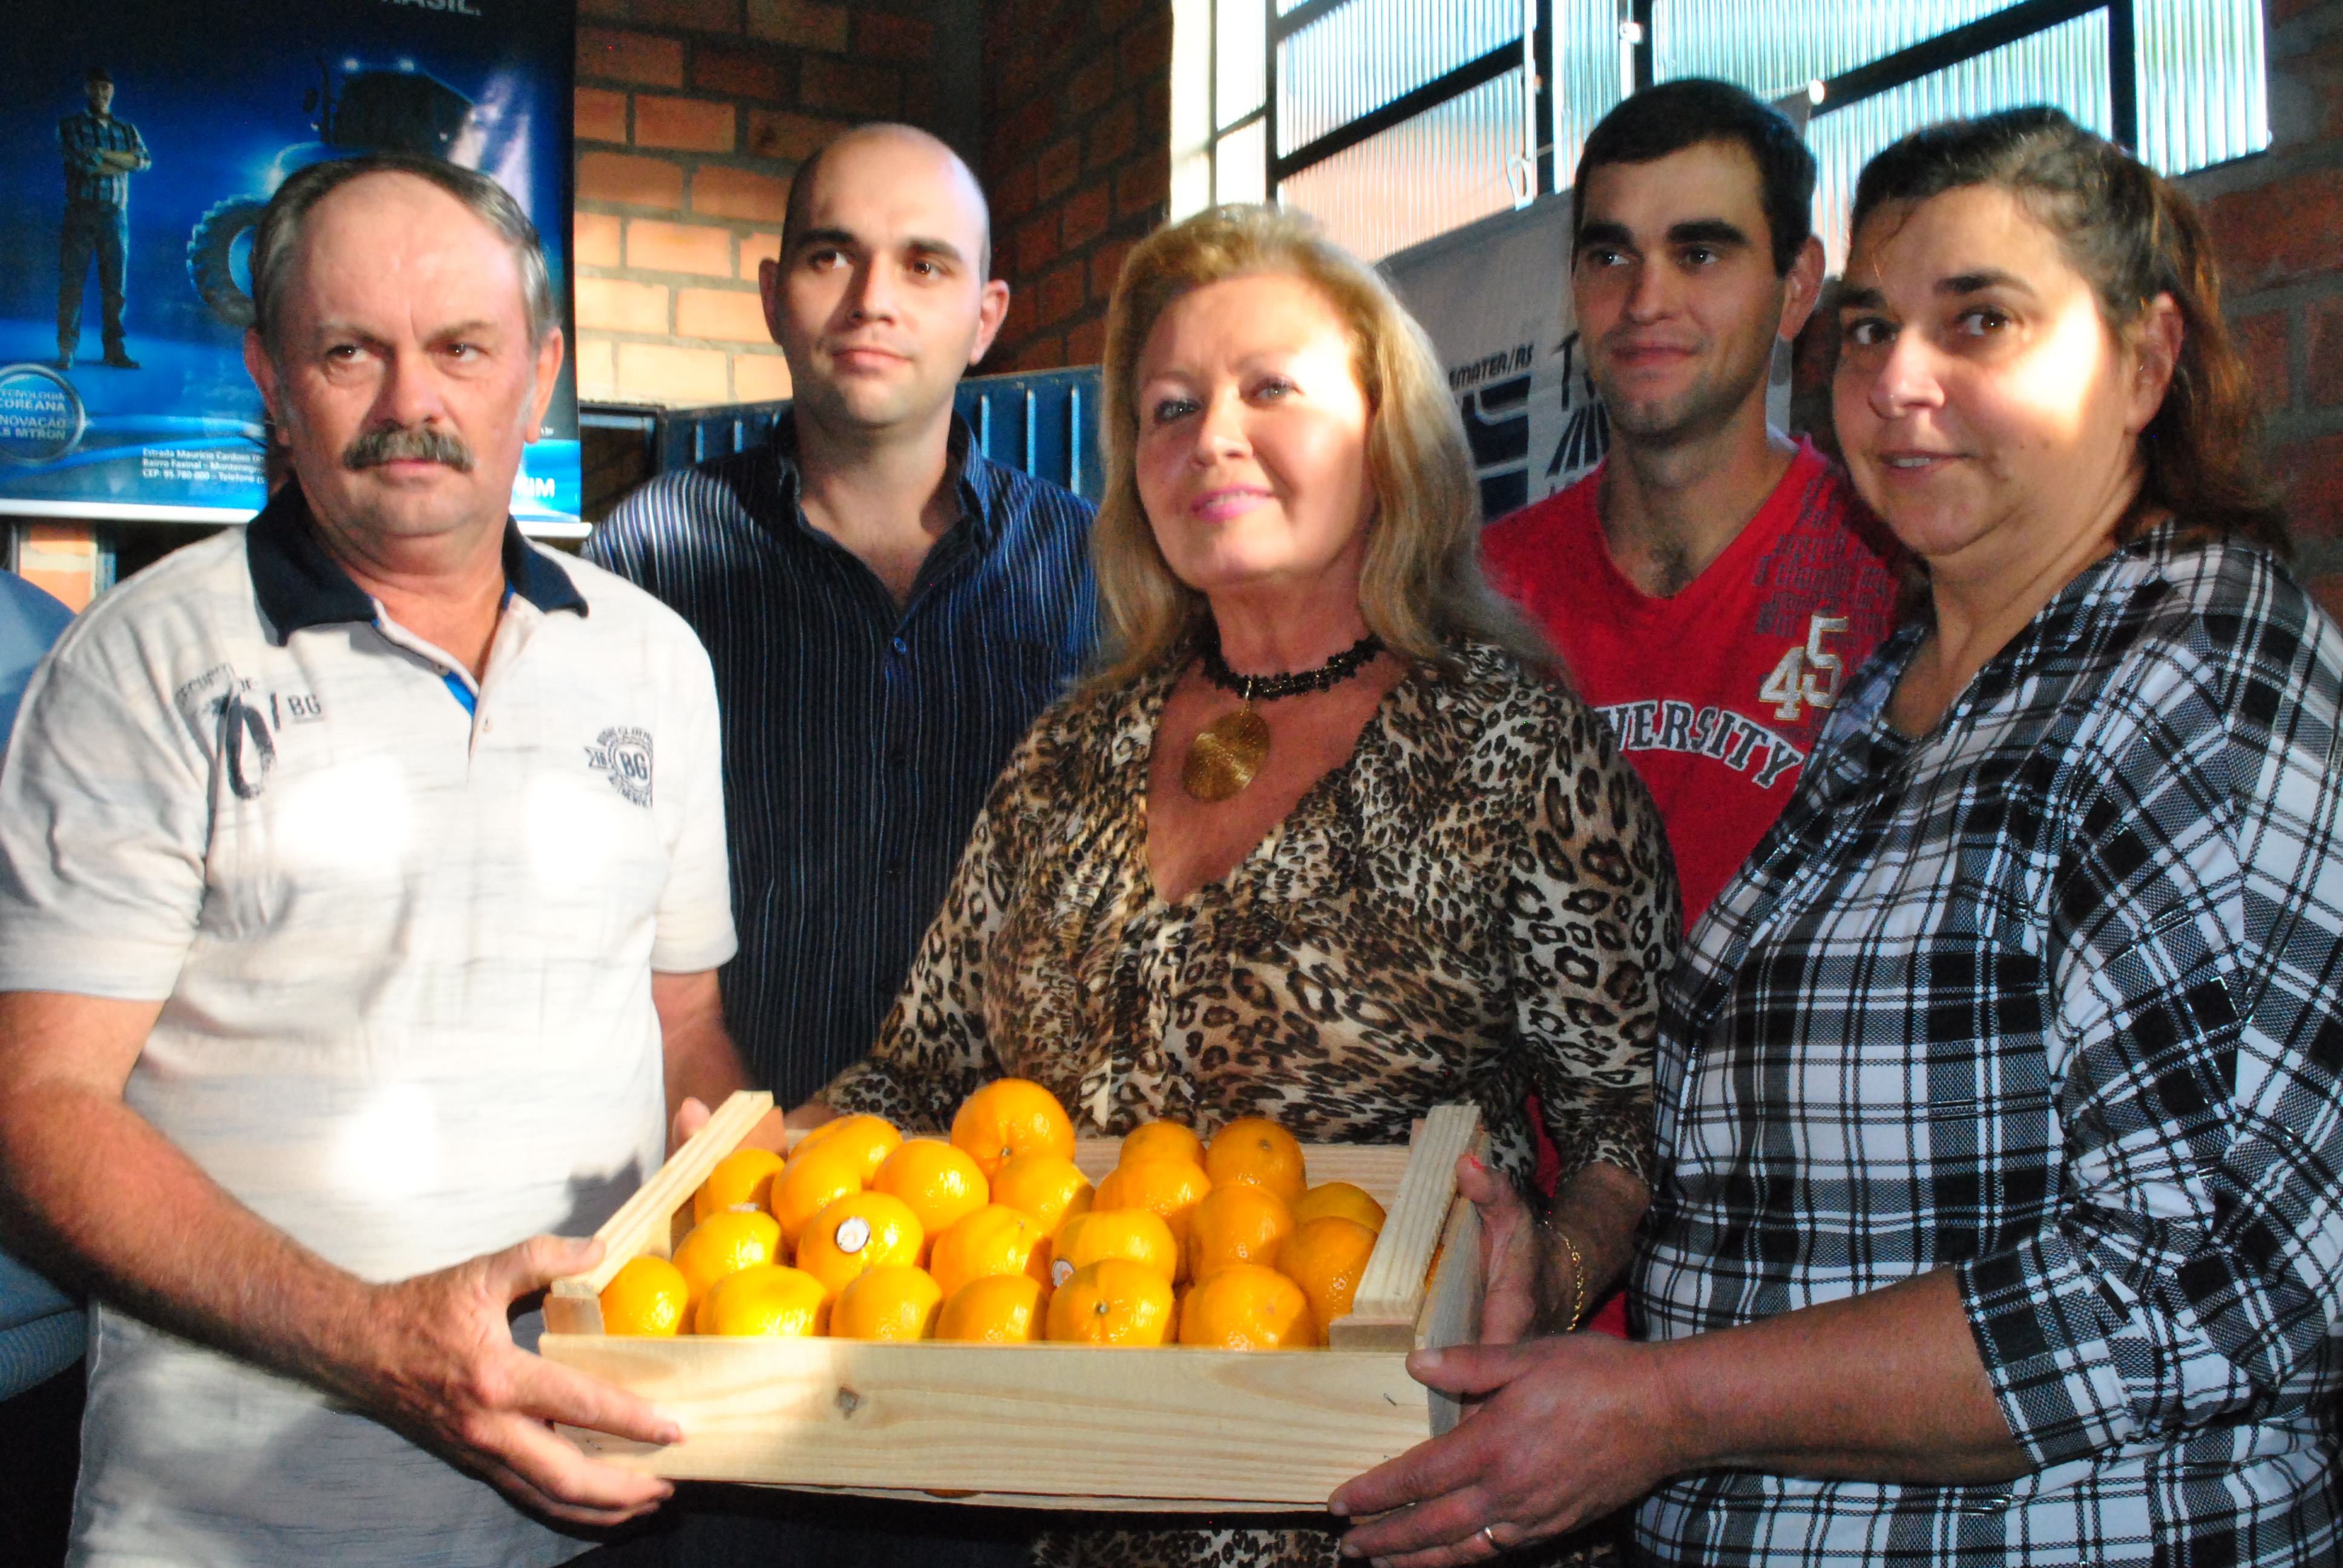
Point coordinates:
pixel 101 152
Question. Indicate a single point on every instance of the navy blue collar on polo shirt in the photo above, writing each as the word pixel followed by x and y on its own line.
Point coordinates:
pixel 299 585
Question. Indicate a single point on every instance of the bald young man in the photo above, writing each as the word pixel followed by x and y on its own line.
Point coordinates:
pixel 887 609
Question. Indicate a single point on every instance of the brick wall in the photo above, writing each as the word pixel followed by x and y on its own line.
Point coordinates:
pixel 2278 221
pixel 691 115
pixel 1077 161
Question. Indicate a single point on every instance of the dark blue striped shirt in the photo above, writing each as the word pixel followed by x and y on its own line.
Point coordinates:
pixel 860 739
pixel 80 139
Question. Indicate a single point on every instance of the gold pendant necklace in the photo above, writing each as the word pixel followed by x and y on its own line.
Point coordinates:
pixel 1227 753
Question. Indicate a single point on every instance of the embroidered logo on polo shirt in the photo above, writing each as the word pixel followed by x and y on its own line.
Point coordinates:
pixel 624 756
pixel 240 729
pixel 246 746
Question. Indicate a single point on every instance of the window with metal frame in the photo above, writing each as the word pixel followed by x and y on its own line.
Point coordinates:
pixel 1393 121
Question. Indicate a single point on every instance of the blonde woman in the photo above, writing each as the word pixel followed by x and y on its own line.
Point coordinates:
pixel 1322 840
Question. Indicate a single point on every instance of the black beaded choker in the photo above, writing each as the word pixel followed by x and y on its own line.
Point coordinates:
pixel 1270 687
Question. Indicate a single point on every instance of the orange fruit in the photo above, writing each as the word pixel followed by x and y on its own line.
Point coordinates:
pixel 1255 1148
pixel 1138 1234
pixel 740 1179
pixel 893 1303
pixel 995 1240
pixel 648 1296
pixel 1050 1187
pixel 764 1299
pixel 1009 1117
pixel 873 1138
pixel 808 1185
pixel 938 1182
pixel 1339 1198
pixel 1113 1302
pixel 1160 1140
pixel 725 1244
pixel 1325 1257
pixel 858 1233
pixel 1238 1224
pixel 1171 1188
pixel 998 1309
pixel 1247 1307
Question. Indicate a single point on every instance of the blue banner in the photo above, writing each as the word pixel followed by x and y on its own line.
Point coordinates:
pixel 125 235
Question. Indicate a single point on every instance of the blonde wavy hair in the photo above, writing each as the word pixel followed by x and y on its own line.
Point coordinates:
pixel 1421 587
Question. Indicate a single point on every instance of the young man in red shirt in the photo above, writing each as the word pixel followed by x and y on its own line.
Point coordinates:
pixel 1712 584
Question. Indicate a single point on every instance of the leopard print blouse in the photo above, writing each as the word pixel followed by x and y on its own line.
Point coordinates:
pixel 1479 903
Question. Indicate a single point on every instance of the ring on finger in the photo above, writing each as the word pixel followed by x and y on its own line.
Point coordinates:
pixel 1489 1535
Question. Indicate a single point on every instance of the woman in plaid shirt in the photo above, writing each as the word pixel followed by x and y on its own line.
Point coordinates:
pixel 1998 1118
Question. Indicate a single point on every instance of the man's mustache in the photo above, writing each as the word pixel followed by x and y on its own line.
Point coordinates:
pixel 408 444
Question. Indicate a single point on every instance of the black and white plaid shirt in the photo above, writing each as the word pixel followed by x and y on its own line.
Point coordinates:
pixel 2052 997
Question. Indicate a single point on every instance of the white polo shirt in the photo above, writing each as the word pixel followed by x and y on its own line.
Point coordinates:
pixel 403 931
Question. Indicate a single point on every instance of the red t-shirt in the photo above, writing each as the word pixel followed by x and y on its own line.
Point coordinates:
pixel 1718 692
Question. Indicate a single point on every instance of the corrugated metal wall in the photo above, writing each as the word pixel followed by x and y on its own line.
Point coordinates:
pixel 1435 172
pixel 2202 91
pixel 1431 174
pixel 2065 66
pixel 1589 79
pixel 2204 87
pixel 1355 60
pixel 2203 96
pixel 1776 47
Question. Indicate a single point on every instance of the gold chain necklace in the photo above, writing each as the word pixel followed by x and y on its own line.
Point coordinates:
pixel 1227 753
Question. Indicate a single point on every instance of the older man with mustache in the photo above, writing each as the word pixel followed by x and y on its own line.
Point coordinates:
pixel 362 886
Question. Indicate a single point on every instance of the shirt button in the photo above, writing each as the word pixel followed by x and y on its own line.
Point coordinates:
pixel 895 868
pixel 900 645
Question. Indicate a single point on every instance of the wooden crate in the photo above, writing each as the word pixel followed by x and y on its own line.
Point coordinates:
pixel 1052 1425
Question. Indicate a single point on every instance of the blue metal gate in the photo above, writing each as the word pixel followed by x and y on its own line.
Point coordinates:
pixel 1045 423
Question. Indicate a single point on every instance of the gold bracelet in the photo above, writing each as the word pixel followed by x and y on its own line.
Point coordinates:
pixel 1577 1279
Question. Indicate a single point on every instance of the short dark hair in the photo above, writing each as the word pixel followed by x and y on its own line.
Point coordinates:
pixel 1684 113
pixel 272 242
pixel 2132 235
pixel 95 74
